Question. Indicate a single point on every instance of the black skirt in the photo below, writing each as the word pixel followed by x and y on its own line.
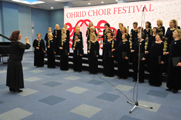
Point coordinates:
pixel 123 69
pixel 14 75
pixel 38 58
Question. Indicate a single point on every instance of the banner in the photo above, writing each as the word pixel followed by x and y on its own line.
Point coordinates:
pixel 125 13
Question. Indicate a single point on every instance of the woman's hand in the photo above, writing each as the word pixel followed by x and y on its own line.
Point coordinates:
pixel 61 48
pixel 132 50
pixel 37 48
pixel 113 50
pixel 126 58
pixel 112 56
pixel 80 54
pixel 146 52
pixel 54 52
pixel 179 64
pixel 88 51
pixel 48 46
pixel 162 62
pixel 143 58
pixel 97 56
pixel 73 48
pixel 44 51
pixel 68 53
pixel 27 41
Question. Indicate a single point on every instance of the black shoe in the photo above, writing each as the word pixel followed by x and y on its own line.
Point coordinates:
pixel 168 89
pixel 175 91
pixel 11 90
pixel 141 82
pixel 19 90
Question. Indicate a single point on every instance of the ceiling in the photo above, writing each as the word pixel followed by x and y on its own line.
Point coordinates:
pixel 75 3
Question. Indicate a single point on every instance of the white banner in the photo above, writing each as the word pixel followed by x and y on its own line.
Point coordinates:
pixel 125 13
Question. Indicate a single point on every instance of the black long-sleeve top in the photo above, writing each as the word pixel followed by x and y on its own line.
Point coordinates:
pixel 39 44
pixel 17 49
pixel 123 47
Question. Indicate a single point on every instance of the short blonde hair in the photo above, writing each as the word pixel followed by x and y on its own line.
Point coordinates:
pixel 64 35
pixel 90 23
pixel 38 34
pixel 176 23
pixel 57 25
pixel 64 29
pixel 121 24
pixel 126 31
pixel 77 29
pixel 50 34
pixel 92 27
pixel 179 33
pixel 161 22
pixel 49 28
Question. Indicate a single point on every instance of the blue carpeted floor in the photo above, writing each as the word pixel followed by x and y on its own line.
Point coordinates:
pixel 51 94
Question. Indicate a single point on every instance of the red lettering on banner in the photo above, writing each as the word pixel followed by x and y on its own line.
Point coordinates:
pixel 115 10
pixel 150 8
pixel 109 11
pixel 138 8
pixel 124 10
pixel 146 8
pixel 133 9
pixel 119 10
pixel 77 14
pixel 83 13
pixel 129 9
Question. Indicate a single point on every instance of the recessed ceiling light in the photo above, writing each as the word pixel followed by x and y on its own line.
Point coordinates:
pixel 102 2
pixel 117 0
pixel 30 2
pixel 51 7
pixel 89 3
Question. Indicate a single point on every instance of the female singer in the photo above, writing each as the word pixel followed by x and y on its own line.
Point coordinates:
pixel 125 31
pixel 90 30
pixel 78 52
pixel 105 31
pixel 39 46
pixel 93 53
pixel 147 35
pixel 51 45
pixel 67 33
pixel 108 57
pixel 133 37
pixel 119 34
pixel 152 38
pixel 174 71
pixel 161 28
pixel 46 36
pixel 167 43
pixel 156 53
pixel 142 58
pixel 79 33
pixel 14 70
pixel 57 37
pixel 123 50
pixel 64 52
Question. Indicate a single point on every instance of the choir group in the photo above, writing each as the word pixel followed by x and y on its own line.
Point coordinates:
pixel 159 52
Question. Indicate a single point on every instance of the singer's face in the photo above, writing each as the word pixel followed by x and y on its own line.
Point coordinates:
pixel 90 24
pixel 92 30
pixel 134 25
pixel 157 38
pixel 154 30
pixel 146 25
pixel 49 30
pixel 175 34
pixel 171 24
pixel 65 26
pixel 39 36
pixel 158 23
pixel 19 36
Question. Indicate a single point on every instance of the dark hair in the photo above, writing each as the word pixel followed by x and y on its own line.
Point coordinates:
pixel 112 34
pixel 140 28
pixel 161 36
pixel 135 23
pixel 15 35
pixel 149 24
pixel 157 31
pixel 107 24
pixel 142 34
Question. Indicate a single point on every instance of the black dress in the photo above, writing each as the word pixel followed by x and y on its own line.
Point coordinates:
pixel 14 69
pixel 39 53
pixel 77 59
pixel 108 60
pixel 174 72
pixel 156 53
pixel 161 30
pixel 88 32
pixel 133 37
pixel 50 53
pixel 135 60
pixel 81 39
pixel 93 47
pixel 64 54
pixel 123 51
pixel 57 38
pixel 118 37
pixel 168 40
pixel 68 35
pixel 46 37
